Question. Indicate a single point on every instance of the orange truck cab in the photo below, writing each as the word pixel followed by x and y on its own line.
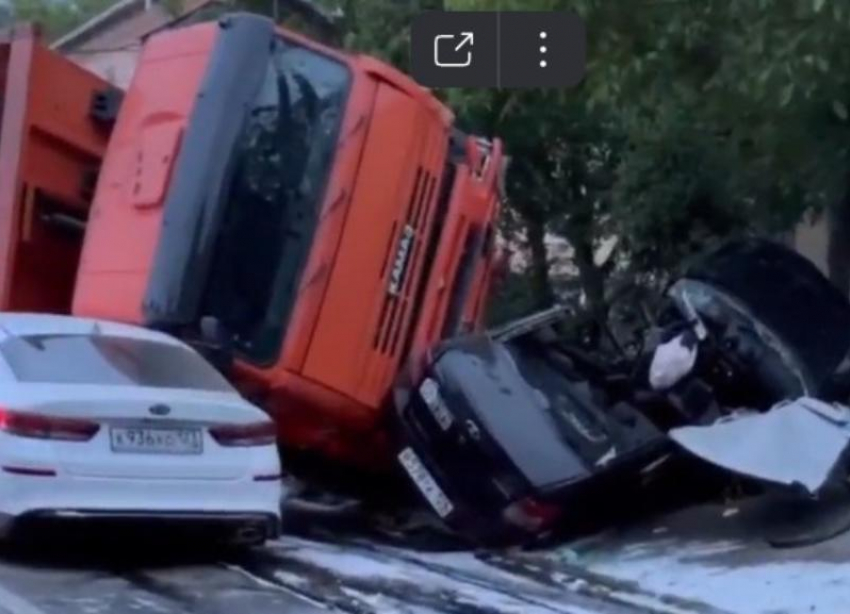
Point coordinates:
pixel 319 208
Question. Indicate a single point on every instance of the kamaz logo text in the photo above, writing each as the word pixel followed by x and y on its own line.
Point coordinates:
pixel 400 262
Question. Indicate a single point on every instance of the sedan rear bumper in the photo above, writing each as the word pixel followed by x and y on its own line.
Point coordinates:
pixel 187 502
pixel 228 527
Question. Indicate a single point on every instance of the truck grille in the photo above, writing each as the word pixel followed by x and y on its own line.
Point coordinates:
pixel 402 263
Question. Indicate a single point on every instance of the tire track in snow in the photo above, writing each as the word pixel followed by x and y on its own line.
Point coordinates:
pixel 598 586
pixel 520 588
pixel 367 579
pixel 278 586
pixel 217 588
pixel 144 581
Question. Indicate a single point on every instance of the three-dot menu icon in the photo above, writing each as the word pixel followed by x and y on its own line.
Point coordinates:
pixel 512 49
pixel 543 49
pixel 540 49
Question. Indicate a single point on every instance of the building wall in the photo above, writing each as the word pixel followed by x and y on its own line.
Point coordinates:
pixel 117 67
pixel 113 53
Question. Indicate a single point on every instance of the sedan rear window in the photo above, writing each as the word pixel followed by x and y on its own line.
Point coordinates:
pixel 109 361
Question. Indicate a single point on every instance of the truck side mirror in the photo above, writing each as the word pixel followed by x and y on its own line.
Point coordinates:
pixel 215 343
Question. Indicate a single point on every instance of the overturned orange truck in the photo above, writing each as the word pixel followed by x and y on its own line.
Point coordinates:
pixel 317 211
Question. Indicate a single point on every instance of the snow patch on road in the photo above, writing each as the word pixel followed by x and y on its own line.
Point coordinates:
pixel 290 579
pixel 684 570
pixel 464 563
pixel 146 604
pixel 352 565
pixel 14 604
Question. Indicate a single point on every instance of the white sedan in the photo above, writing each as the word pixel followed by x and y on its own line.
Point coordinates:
pixel 106 420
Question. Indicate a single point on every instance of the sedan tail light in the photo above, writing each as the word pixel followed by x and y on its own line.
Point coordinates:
pixel 240 435
pixel 532 515
pixel 39 426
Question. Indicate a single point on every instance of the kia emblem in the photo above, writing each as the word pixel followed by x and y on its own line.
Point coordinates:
pixel 159 410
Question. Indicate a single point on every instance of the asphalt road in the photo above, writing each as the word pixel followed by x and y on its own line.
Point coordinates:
pixel 81 578
pixel 709 559
pixel 295 575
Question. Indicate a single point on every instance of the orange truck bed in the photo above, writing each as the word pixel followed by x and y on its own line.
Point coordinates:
pixel 51 147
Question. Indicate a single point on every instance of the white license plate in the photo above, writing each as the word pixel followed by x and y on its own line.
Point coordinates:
pixel 147 440
pixel 425 482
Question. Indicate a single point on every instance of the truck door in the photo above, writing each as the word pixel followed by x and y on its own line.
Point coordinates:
pixel 359 339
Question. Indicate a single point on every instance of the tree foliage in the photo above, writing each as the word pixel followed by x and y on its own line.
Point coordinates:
pixel 759 87
pixel 723 117
pixel 697 120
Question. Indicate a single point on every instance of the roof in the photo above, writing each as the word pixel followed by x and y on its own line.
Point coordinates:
pixel 193 10
pixel 111 15
pixel 122 10
pixel 22 324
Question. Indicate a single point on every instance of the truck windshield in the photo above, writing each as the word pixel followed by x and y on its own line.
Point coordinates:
pixel 280 168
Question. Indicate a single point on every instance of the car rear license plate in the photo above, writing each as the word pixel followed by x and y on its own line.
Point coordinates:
pixel 147 440
pixel 425 482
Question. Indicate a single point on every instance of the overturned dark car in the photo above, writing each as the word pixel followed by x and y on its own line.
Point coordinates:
pixel 511 433
pixel 503 436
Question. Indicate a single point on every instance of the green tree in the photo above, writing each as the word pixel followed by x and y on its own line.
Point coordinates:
pixel 673 198
pixel 762 83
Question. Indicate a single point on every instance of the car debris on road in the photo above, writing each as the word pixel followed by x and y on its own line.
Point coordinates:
pixel 797 443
